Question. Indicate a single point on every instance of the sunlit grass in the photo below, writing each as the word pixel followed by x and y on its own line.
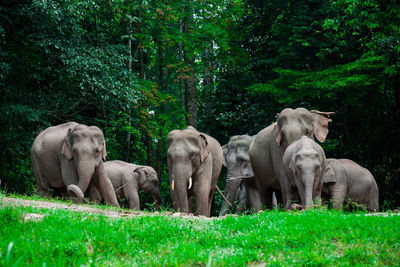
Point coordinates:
pixel 315 237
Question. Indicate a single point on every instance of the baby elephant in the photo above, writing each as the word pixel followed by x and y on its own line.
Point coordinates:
pixel 345 180
pixel 127 179
pixel 304 163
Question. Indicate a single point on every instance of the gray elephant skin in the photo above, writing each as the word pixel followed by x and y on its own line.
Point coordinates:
pixel 344 181
pixel 69 156
pixel 304 163
pixel 267 149
pixel 194 164
pixel 237 162
pixel 127 179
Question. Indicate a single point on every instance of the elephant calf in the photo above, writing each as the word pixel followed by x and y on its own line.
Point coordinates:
pixel 345 180
pixel 127 179
pixel 304 162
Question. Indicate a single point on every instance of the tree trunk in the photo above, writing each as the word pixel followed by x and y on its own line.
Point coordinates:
pixel 191 101
pixel 142 75
pixel 129 45
pixel 181 88
pixel 208 82
pixel 160 69
pixel 190 83
pixel 158 154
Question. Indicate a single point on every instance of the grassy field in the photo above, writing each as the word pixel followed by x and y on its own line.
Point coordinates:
pixel 313 237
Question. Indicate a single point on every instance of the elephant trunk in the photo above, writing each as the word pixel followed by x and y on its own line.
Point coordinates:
pixel 156 200
pixel 179 175
pixel 231 188
pixel 181 197
pixel 308 196
pixel 85 172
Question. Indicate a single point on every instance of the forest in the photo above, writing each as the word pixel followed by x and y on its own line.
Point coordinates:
pixel 139 69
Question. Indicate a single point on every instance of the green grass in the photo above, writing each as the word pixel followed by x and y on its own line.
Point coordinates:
pixel 314 237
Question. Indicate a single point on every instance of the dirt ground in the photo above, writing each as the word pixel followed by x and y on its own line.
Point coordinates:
pixel 117 213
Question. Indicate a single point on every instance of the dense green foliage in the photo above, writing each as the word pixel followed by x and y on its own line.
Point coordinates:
pixel 316 237
pixel 138 69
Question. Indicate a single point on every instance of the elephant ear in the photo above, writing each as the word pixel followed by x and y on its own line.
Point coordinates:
pixel 66 146
pixel 320 121
pixel 104 151
pixel 141 172
pixel 277 134
pixel 225 152
pixel 329 175
pixel 204 148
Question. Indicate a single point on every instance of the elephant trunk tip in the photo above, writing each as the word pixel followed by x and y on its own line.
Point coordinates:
pixel 75 191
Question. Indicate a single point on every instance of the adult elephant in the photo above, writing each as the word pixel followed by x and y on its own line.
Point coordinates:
pixel 194 164
pixel 127 179
pixel 344 181
pixel 267 149
pixel 240 185
pixel 67 157
pixel 304 162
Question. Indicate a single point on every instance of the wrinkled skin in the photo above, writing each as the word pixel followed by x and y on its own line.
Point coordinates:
pixel 267 149
pixel 304 162
pixel 237 161
pixel 345 180
pixel 127 179
pixel 194 164
pixel 67 157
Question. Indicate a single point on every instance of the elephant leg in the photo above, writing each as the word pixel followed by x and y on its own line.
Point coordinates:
pixel 43 188
pixel 254 198
pixel 132 196
pixel 201 188
pixel 94 194
pixel 103 183
pixel 274 201
pixel 338 193
pixel 373 198
pixel 291 195
pixel 210 200
pixel 267 202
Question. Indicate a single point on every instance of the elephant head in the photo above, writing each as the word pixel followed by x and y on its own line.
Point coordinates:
pixel 148 182
pixel 304 162
pixel 237 161
pixel 86 147
pixel 291 124
pixel 187 150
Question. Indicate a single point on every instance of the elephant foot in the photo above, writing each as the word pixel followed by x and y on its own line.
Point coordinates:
pixel 75 192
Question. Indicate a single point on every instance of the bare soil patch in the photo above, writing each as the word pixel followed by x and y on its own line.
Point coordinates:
pixel 15 202
pixel 118 213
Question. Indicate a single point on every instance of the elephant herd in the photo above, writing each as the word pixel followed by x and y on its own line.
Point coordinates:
pixel 282 164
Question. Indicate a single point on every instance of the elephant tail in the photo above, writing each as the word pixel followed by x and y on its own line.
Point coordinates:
pixel 373 200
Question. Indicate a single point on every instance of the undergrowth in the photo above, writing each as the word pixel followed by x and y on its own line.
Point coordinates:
pixel 313 237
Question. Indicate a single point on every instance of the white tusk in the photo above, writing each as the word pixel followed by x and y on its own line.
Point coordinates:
pixel 172 184
pixel 190 183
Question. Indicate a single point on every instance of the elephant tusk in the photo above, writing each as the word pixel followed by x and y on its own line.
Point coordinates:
pixel 190 183
pixel 172 184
